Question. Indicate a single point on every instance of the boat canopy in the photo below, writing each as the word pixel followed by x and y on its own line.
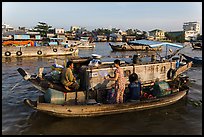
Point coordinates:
pixel 154 44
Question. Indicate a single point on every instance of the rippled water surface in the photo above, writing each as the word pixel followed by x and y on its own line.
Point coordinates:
pixel 181 118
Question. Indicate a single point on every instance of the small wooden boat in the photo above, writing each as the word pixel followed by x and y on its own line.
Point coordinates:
pixel 195 60
pixel 131 47
pixel 139 45
pixel 86 44
pixel 96 56
pixel 87 102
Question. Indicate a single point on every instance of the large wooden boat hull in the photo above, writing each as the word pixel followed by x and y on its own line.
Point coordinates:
pixel 26 51
pixel 106 109
pixel 128 47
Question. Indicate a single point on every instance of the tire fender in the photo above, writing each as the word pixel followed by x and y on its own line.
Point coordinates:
pixel 39 52
pixel 19 53
pixel 54 50
pixel 7 53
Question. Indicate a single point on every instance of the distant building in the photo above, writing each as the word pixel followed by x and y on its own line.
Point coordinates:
pixel 50 35
pixel 191 35
pixel 191 29
pixel 23 29
pixel 175 35
pixel 101 38
pixel 191 26
pixel 6 27
pixel 157 34
pixel 70 35
pixel 59 31
pixel 74 28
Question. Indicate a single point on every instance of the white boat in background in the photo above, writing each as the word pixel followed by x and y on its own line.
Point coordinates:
pixel 86 44
pixel 82 43
pixel 96 56
pixel 32 51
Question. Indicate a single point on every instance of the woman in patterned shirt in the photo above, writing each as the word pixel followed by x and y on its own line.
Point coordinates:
pixel 119 81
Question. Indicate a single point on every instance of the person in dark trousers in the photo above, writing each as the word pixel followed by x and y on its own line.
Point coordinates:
pixel 135 88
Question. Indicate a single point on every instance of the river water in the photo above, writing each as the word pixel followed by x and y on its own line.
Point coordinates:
pixel 181 118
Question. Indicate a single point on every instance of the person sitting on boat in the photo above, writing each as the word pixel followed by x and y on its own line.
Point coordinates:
pixel 135 88
pixel 67 77
pixel 119 81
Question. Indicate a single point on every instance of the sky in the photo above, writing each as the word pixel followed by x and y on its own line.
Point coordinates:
pixel 145 16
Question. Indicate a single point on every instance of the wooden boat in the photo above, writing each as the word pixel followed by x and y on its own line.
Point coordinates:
pixel 86 44
pixel 195 60
pixel 91 108
pixel 138 45
pixel 197 45
pixel 88 99
pixel 32 51
pixel 130 47
pixel 82 43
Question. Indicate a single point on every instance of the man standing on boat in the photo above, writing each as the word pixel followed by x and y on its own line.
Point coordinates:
pixel 119 81
pixel 67 77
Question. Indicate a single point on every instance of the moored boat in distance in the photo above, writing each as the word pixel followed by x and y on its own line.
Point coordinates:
pixel 85 42
pixel 31 51
pixel 138 45
pixel 195 60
